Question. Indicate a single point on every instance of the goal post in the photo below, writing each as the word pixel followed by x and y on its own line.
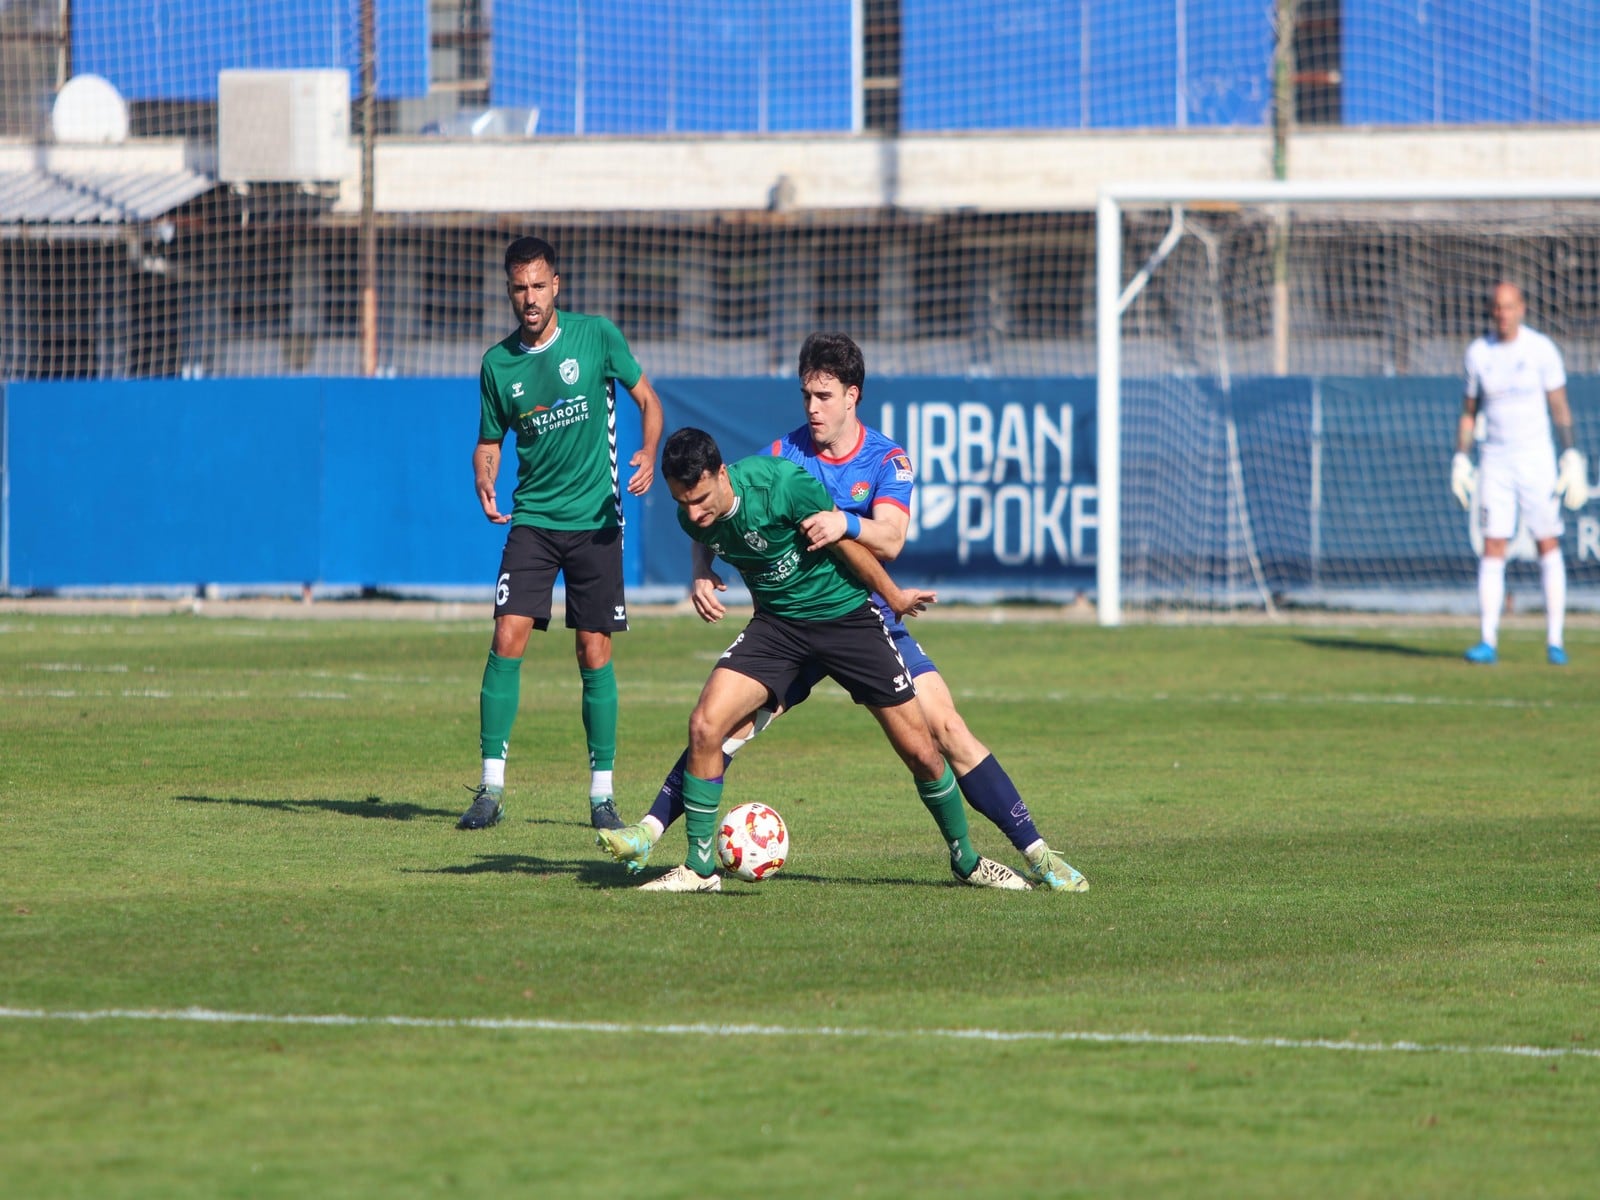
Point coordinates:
pixel 1278 374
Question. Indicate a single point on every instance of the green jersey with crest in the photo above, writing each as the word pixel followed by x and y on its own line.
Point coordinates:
pixel 761 538
pixel 560 401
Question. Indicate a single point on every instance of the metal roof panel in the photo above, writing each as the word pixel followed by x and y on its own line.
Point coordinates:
pixel 40 197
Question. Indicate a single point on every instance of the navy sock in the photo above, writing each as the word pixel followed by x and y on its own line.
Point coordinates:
pixel 989 789
pixel 668 806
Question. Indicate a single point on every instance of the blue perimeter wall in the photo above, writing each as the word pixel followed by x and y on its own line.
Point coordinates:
pixel 368 483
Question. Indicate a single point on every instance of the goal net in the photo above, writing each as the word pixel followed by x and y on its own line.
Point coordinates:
pixel 1280 383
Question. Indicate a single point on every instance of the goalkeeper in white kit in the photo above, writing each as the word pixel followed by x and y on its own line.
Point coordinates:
pixel 1516 380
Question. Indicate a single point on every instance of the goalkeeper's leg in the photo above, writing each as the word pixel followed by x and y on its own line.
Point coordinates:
pixel 1553 581
pixel 1491 600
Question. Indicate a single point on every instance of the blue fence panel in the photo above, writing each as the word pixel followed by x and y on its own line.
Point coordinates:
pixel 1497 61
pixel 1568 47
pixel 808 61
pixel 974 66
pixel 1135 63
pixel 1133 78
pixel 173 49
pixel 691 66
pixel 1227 73
pixel 1485 53
pixel 535 61
pixel 608 88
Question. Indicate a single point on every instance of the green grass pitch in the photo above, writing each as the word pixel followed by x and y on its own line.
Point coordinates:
pixel 1344 887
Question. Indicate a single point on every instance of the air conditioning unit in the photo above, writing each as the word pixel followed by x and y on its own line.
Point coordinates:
pixel 283 126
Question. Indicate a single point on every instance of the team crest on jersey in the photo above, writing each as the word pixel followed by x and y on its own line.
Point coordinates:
pixel 860 490
pixel 755 540
pixel 902 468
pixel 569 370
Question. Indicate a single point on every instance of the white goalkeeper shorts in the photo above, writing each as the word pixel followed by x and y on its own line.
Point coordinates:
pixel 1521 482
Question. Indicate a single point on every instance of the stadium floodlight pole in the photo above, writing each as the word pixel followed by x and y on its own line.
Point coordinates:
pixel 1111 300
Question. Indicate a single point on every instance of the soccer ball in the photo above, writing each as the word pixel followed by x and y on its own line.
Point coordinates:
pixel 752 841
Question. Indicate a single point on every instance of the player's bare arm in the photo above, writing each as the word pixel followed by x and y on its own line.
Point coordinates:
pixel 905 602
pixel 1561 417
pixel 1467 426
pixel 644 460
pixel 884 533
pixel 485 470
pixel 705 586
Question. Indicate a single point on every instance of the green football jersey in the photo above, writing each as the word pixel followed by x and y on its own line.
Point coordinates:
pixel 560 401
pixel 761 538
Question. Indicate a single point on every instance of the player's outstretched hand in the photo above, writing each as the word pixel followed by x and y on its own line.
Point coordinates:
pixel 490 508
pixel 644 473
pixel 908 602
pixel 1572 480
pixel 703 595
pixel 1464 479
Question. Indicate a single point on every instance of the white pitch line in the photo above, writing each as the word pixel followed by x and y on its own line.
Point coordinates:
pixel 206 1016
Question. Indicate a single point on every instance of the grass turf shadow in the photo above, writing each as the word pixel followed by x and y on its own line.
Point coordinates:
pixel 1365 647
pixel 371 808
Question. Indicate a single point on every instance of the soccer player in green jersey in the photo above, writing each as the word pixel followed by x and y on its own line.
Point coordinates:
pixel 552 384
pixel 870 478
pixel 810 610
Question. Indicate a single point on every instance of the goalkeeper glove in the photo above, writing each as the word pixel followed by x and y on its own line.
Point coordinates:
pixel 1572 480
pixel 1463 478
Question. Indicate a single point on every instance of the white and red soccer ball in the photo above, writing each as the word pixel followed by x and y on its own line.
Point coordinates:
pixel 752 841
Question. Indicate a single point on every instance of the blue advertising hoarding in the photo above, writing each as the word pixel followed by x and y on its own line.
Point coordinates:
pixel 367 483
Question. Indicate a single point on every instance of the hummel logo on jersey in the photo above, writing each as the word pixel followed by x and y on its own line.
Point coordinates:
pixel 516 390
pixel 569 370
pixel 728 653
pixel 901 683
pixel 755 540
pixel 620 613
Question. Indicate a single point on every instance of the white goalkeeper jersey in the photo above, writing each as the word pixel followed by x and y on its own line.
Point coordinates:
pixel 1509 380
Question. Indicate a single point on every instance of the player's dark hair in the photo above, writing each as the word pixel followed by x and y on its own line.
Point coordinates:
pixel 833 354
pixel 688 454
pixel 530 249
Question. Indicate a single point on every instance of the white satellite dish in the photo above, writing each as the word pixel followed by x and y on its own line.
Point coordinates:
pixel 89 108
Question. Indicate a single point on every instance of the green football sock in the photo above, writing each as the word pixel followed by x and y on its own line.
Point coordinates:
pixel 497 704
pixel 600 715
pixel 943 799
pixel 701 800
